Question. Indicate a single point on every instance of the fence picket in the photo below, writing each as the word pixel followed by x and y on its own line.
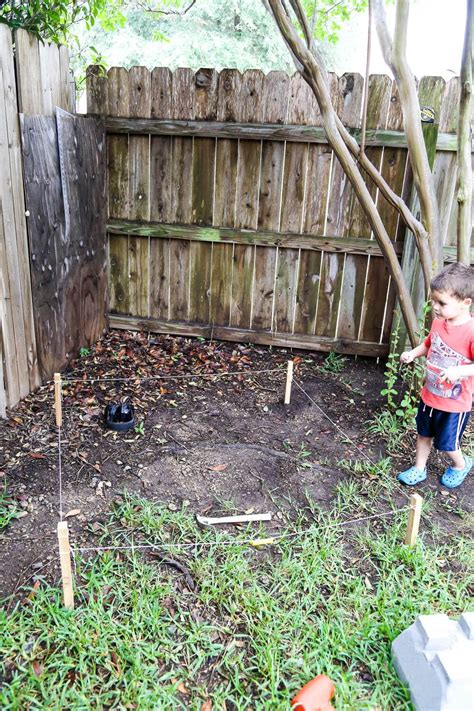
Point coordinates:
pixel 14 223
pixel 356 266
pixel 445 166
pixel 118 191
pixel 379 290
pixel 139 79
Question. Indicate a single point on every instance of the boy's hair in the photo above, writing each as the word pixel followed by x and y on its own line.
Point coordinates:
pixel 457 279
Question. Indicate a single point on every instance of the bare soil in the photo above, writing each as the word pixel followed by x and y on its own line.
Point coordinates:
pixel 203 440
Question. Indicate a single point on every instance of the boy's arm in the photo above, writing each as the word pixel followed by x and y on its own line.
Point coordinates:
pixel 418 352
pixel 455 372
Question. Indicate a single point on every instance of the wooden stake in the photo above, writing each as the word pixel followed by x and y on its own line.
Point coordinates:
pixel 58 407
pixel 65 559
pixel 247 518
pixel 289 380
pixel 414 515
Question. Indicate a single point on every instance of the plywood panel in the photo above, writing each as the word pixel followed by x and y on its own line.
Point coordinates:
pixel 17 271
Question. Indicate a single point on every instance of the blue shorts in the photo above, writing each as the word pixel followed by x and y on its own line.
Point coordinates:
pixel 445 427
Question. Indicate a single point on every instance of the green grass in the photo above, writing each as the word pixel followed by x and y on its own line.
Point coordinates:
pixel 8 509
pixel 258 625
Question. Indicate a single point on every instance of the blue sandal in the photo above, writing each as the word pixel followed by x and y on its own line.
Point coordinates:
pixel 453 478
pixel 412 476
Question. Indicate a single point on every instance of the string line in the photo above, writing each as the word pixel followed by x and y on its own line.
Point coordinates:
pixel 166 376
pixel 364 454
pixel 231 542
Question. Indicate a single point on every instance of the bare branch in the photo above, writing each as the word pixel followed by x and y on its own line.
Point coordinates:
pixel 366 85
pixel 395 56
pixel 419 232
pixel 156 11
pixel 313 73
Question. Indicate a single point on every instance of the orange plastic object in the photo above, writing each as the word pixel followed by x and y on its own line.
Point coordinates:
pixel 316 695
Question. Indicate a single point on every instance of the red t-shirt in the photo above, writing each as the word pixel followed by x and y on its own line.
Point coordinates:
pixel 447 346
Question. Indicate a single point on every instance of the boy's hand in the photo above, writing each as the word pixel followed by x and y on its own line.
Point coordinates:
pixel 407 357
pixel 452 374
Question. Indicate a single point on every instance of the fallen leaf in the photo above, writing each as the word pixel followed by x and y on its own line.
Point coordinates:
pixel 37 455
pixel 116 663
pixel 218 468
pixel 34 589
pixel 182 689
pixel 72 512
pixel 368 584
pixel 207 705
pixel 38 668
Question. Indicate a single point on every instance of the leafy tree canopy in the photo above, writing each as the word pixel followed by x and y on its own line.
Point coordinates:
pixel 239 33
pixel 56 20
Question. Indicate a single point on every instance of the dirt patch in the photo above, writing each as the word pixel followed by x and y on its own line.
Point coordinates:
pixel 204 440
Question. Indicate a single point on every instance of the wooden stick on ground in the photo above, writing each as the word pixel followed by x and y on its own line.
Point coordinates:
pixel 58 408
pixel 289 380
pixel 244 518
pixel 65 560
pixel 413 519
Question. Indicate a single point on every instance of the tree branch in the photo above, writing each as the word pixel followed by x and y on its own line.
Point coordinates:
pixel 414 225
pixel 147 8
pixel 313 73
pixel 366 85
pixel 395 56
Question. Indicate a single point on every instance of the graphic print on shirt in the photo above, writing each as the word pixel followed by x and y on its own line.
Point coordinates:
pixel 441 357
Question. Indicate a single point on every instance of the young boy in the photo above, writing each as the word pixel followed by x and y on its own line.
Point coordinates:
pixel 446 397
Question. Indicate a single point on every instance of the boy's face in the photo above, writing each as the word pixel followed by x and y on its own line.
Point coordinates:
pixel 446 305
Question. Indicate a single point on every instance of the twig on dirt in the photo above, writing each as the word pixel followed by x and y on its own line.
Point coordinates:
pixel 180 444
pixel 178 566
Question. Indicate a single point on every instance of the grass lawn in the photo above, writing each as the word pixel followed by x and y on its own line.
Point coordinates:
pixel 228 626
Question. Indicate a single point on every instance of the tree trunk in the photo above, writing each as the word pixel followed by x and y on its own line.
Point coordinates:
pixel 314 74
pixel 394 52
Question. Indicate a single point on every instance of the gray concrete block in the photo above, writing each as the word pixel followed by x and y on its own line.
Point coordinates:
pixel 435 658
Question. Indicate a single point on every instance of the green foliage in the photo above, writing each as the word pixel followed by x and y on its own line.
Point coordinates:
pixel 8 509
pixel 163 34
pixel 53 20
pixel 402 392
pixel 333 363
pixel 84 352
pixel 402 385
pixel 140 428
pixel 328 16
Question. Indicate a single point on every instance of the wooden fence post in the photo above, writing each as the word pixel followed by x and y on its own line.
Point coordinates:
pixel 65 560
pixel 289 380
pixel 414 516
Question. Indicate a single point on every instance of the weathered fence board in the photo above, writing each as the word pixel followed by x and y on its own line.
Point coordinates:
pixel 65 195
pixel 21 367
pixel 252 225
pixel 43 77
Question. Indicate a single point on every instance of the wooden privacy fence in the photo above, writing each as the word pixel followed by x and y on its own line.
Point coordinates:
pixel 52 265
pixel 228 214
